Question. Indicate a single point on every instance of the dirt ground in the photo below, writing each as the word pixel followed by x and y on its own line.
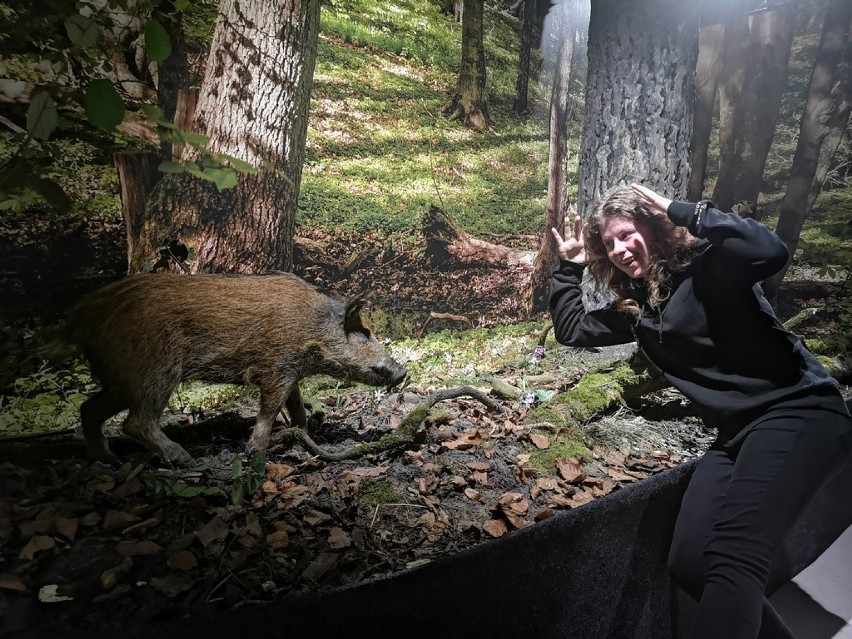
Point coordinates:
pixel 95 546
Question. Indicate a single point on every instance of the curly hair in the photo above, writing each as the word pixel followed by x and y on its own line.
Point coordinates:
pixel 670 251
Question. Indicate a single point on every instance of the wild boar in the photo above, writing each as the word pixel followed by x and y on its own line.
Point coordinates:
pixel 145 334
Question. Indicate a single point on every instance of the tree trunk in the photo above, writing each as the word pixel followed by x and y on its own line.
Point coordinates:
pixel 638 130
pixel 711 40
pixel 468 104
pixel 185 107
pixel 253 105
pixel 537 296
pixel 755 78
pixel 823 122
pixel 520 103
pixel 137 175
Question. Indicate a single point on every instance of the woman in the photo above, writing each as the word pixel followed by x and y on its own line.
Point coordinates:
pixel 686 278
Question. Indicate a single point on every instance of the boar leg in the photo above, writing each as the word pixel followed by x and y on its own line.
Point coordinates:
pixel 271 401
pixel 143 426
pixel 93 413
pixel 296 408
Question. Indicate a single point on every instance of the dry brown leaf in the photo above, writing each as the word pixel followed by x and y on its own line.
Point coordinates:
pixel 182 560
pixel 253 526
pixel 316 518
pixel 582 497
pixel 338 539
pixel 495 527
pixel 67 527
pixel 513 519
pixel 559 501
pixel 13 583
pixel 540 441
pixel 111 576
pixel 458 481
pixel 142 525
pixel 547 483
pixel 618 475
pixel 28 528
pixel 472 493
pixel 475 465
pixel 547 513
pixel 101 484
pixel 535 491
pixel 213 530
pixel 92 519
pixel 269 487
pixel 479 478
pixel 119 520
pixel 570 470
pixel 370 471
pixel 278 539
pixel 128 488
pixel 36 544
pixel 277 472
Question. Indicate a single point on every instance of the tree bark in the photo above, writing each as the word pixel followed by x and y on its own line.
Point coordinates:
pixel 823 123
pixel 537 296
pixel 711 41
pixel 750 98
pixel 185 107
pixel 469 104
pixel 638 130
pixel 253 106
pixel 520 104
pixel 137 175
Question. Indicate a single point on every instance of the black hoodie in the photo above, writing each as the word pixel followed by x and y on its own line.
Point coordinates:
pixel 716 338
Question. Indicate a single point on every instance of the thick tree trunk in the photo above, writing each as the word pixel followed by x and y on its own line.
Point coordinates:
pixel 823 122
pixel 519 106
pixel 185 107
pixel 755 78
pixel 638 129
pixel 253 105
pixel 469 104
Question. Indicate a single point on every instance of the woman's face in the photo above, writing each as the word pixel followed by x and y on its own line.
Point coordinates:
pixel 628 244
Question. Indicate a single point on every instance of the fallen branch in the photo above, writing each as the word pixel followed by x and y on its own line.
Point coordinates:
pixel 408 434
pixel 445 316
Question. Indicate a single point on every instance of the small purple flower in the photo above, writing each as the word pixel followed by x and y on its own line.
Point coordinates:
pixel 538 353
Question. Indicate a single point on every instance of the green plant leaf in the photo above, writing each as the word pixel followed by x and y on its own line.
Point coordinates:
pixel 171 167
pixel 83 31
pixel 104 107
pixel 240 165
pixel 194 139
pixel 42 115
pixel 258 462
pixel 222 178
pixel 157 42
pixel 236 467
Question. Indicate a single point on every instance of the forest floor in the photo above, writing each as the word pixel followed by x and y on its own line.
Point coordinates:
pixel 90 546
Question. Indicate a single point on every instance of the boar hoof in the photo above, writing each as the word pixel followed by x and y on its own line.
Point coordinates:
pixel 176 455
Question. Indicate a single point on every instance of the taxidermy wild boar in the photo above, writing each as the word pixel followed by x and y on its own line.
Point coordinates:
pixel 145 334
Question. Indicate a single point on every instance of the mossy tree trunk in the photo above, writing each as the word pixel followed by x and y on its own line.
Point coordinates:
pixel 253 106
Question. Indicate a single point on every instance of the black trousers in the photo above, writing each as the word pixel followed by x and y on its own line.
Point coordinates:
pixel 739 506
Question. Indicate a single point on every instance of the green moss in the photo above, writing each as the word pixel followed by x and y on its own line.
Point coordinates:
pixel 568 443
pixel 374 491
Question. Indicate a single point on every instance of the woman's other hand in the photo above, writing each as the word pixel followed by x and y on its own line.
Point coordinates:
pixel 652 200
pixel 572 247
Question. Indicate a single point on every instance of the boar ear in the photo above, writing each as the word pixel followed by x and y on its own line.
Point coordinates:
pixel 352 314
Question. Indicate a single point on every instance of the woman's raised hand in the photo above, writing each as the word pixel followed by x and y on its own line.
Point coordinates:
pixel 572 247
pixel 653 201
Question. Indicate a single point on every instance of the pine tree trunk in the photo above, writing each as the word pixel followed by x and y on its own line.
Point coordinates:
pixel 520 104
pixel 637 123
pixel 468 104
pixel 822 126
pixel 253 105
pixel 711 41
pixel 754 81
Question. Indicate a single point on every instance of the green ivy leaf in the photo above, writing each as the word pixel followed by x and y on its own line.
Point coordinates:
pixel 258 462
pixel 42 115
pixel 157 42
pixel 194 139
pixel 104 107
pixel 236 467
pixel 82 30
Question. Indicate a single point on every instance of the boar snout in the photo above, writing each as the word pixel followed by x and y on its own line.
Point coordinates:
pixel 389 375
